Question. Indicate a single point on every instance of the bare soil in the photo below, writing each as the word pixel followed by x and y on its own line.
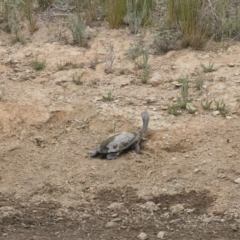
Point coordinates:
pixel 182 183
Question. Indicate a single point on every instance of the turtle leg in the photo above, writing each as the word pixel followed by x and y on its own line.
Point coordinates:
pixel 93 154
pixel 137 147
pixel 111 156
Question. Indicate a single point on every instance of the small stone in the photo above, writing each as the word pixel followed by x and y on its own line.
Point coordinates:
pixel 115 205
pixel 207 220
pixel 237 180
pixel 177 208
pixel 117 220
pixel 110 224
pixel 114 215
pixel 231 64
pixel 229 117
pixel 196 170
pixel 142 236
pixel 179 188
pixel 215 113
pixel 161 234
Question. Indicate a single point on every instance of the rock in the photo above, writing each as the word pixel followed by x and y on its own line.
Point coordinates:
pixel 161 234
pixel 231 64
pixel 117 220
pixel 177 208
pixel 229 117
pixel 215 113
pixel 115 205
pixel 142 236
pixel 110 224
pixel 179 188
pixel 207 220
pixel 151 206
pixel 237 180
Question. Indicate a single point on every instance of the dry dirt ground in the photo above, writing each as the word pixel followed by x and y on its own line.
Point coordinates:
pixel 183 185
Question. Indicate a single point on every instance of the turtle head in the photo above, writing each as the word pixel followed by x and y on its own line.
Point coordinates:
pixel 145 118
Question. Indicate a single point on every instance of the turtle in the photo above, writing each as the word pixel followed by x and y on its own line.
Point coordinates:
pixel 119 142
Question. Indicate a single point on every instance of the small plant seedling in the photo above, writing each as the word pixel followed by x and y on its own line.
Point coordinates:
pixel 191 110
pixel 221 107
pixel 38 65
pixel 109 96
pixel 206 105
pixel 76 78
pixel 199 83
pixel 209 68
pixel 184 89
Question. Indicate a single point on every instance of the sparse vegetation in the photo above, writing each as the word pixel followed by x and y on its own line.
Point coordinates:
pixel 209 68
pixel 116 10
pixel 38 65
pixel 207 104
pixel 77 79
pixel 199 83
pixel 135 51
pixel 109 97
pixel 138 14
pixel 77 27
pixel 221 107
pixel 27 6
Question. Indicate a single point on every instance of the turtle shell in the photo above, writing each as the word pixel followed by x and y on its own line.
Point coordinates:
pixel 119 142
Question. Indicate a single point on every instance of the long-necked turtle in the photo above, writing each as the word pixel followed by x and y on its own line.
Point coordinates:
pixel 117 143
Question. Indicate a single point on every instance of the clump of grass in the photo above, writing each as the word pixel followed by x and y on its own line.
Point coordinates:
pixel 27 6
pixel 221 107
pixel 190 16
pixel 209 68
pixel 109 97
pixel 138 14
pixel 77 79
pixel 206 105
pixel 77 27
pixel 38 65
pixel 116 10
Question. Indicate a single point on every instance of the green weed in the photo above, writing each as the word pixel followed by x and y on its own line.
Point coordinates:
pixel 206 105
pixel 109 97
pixel 209 68
pixel 77 79
pixel 221 107
pixel 38 65
pixel 77 27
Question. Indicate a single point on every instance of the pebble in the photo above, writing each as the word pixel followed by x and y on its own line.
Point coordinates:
pixel 110 224
pixel 215 113
pixel 161 234
pixel 117 220
pixel 207 220
pixel 142 236
pixel 115 205
pixel 231 64
pixel 177 208
pixel 237 180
